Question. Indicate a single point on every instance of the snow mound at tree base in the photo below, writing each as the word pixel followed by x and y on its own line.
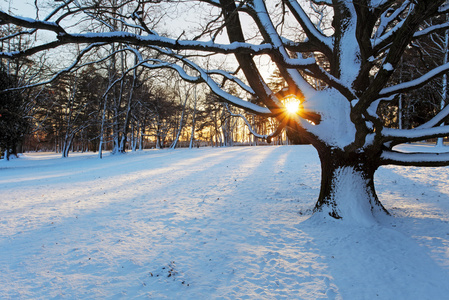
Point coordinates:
pixel 351 201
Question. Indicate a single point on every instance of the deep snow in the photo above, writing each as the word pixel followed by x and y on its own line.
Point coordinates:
pixel 230 223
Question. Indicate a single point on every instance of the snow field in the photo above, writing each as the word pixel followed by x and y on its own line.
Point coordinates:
pixel 230 223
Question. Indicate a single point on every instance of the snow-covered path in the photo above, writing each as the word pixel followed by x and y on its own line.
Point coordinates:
pixel 228 223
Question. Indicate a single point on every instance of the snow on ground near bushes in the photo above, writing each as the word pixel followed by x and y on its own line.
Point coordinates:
pixel 229 223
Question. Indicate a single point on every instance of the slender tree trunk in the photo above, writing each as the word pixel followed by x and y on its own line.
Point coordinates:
pixel 133 138
pixel 440 141
pixel 103 117
pixel 128 112
pixel 400 100
pixel 118 134
pixel 159 142
pixel 142 133
pixel 347 187
pixel 253 138
pixel 192 135
pixel 69 120
pixel 181 124
pixel 116 118
pixel 66 147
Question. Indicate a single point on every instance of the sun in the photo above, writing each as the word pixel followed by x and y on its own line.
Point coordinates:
pixel 292 105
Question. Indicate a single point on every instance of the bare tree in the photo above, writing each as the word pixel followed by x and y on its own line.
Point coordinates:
pixel 360 48
pixel 185 95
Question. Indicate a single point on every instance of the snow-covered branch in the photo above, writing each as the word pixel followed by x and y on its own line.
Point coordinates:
pixel 232 78
pixel 444 9
pixel 439 118
pixel 416 83
pixel 280 55
pixel 73 67
pixel 312 32
pixel 32 50
pixel 382 40
pixel 202 77
pixel 154 40
pixel 431 29
pixel 415 134
pixel 415 159
pixel 6 18
pixel 266 137
pixel 386 20
pixel 129 38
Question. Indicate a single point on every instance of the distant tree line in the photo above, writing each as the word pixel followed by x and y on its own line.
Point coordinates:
pixel 95 110
pixel 111 106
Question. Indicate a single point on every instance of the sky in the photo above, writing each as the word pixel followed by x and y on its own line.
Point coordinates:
pixel 26 8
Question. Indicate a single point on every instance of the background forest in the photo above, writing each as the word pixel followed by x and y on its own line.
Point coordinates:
pixel 109 108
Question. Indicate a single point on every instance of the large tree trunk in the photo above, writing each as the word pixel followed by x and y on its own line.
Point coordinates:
pixel 347 187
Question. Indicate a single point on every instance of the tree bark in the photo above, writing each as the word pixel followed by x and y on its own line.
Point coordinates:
pixel 192 134
pixel 347 187
pixel 181 124
pixel 440 141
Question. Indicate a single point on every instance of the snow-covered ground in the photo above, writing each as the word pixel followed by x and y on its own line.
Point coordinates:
pixel 230 223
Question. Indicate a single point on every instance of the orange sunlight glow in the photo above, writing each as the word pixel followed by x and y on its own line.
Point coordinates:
pixel 291 104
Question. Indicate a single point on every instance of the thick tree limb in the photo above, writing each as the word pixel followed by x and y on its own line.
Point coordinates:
pixel 415 159
pixel 438 119
pixel 30 23
pixel 413 135
pixel 322 42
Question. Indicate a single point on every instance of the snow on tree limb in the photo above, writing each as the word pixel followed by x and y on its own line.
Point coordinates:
pixel 32 50
pixel 382 40
pixel 250 128
pixel 204 77
pixel 215 88
pixel 438 119
pixel 280 55
pixel 128 37
pixel 431 29
pixel 444 9
pixel 232 78
pixel 311 31
pixel 245 60
pixel 415 159
pixel 175 44
pixel 5 18
pixel 386 19
pixel 415 83
pixel 73 67
pixel 415 134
